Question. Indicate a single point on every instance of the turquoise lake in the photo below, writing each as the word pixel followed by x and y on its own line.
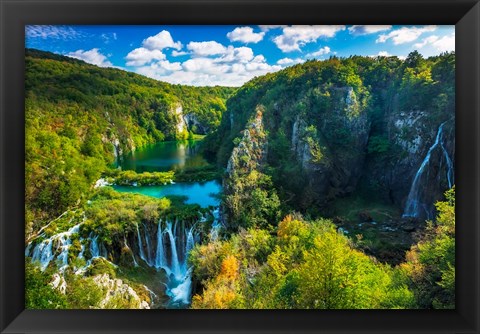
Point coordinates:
pixel 176 156
pixel 203 193
pixel 165 156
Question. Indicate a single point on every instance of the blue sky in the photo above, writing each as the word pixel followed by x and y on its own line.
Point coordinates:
pixel 230 55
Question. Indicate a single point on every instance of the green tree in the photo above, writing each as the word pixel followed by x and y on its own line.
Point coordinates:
pixel 430 265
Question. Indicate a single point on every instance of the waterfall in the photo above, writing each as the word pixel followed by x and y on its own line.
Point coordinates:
pixel 216 225
pixel 94 249
pixel 180 241
pixel 414 205
pixel 450 170
pixel 190 242
pixel 160 260
pixel 149 248
pixel 174 262
pixel 140 246
pixel 133 257
pixel 170 253
pixel 181 293
pixel 44 252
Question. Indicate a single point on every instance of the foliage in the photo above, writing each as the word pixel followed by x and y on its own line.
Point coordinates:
pixel 307 265
pixel 38 293
pixel 83 292
pixel 430 264
pixel 253 202
pixel 79 116
pixel 325 104
pixel 111 214
pixel 130 177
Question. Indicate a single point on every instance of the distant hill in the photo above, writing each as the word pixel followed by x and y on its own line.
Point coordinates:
pixel 80 117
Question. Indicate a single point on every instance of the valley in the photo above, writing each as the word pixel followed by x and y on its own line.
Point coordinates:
pixel 323 185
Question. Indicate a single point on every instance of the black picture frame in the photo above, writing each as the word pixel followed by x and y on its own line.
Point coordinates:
pixel 15 14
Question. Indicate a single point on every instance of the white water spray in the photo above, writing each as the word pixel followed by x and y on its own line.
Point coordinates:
pixel 414 205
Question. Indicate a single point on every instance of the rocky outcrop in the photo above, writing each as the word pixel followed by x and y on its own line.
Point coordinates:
pixel 251 151
pixel 180 124
pixel 116 289
pixel 332 149
pixel 194 125
pixel 58 282
pixel 411 135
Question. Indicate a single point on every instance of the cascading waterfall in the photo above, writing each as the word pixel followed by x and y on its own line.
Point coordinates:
pixel 149 248
pixel 216 225
pixel 414 205
pixel 175 264
pixel 140 245
pixel 54 247
pixel 190 241
pixel 133 256
pixel 57 246
pixel 160 259
pixel 450 170
pixel 173 243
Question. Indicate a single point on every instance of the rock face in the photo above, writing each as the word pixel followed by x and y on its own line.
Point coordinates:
pixel 193 124
pixel 332 149
pixel 245 169
pixel 117 289
pixel 251 151
pixel 180 125
pixel 59 283
pixel 434 174
pixel 412 134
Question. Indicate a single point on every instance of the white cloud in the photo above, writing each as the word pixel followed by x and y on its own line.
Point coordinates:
pixel 206 48
pixel 161 41
pixel 232 68
pixel 55 32
pixel 321 52
pixel 204 65
pixel 368 29
pixel 446 43
pixel 151 49
pixel 245 35
pixel 176 53
pixel 92 56
pixel 428 40
pixel 108 37
pixel 142 56
pixel 289 61
pixel 242 54
pixel 381 54
pixel 165 64
pixel 294 37
pixel 163 67
pixel 210 63
pixel 405 34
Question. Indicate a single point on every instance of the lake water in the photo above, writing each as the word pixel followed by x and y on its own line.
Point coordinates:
pixel 167 156
pixel 202 193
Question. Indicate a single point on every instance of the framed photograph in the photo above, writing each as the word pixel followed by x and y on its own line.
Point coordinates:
pixel 240 166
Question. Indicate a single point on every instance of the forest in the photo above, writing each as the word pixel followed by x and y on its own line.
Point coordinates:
pixel 333 183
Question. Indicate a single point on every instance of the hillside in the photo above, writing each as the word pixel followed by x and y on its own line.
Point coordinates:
pixel 80 118
pixel 333 187
pixel 358 125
